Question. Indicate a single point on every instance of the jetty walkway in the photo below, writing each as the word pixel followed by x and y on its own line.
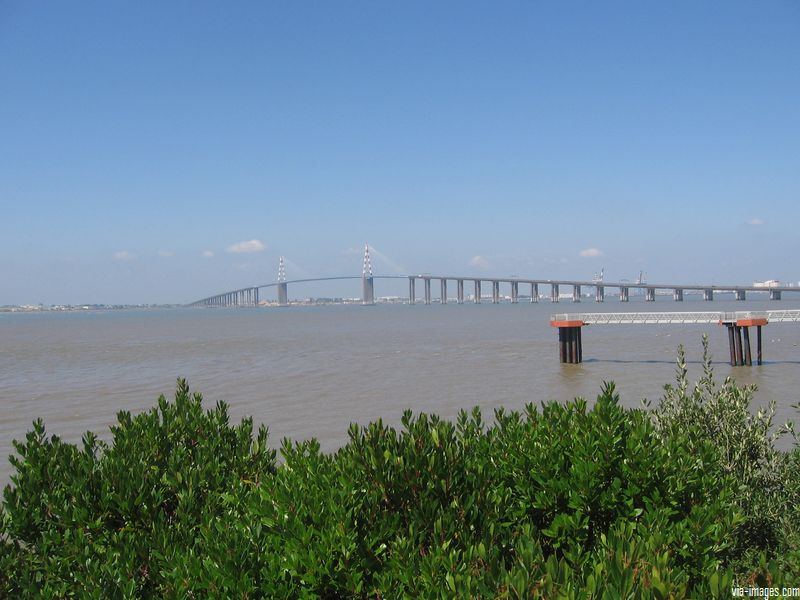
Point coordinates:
pixel 570 325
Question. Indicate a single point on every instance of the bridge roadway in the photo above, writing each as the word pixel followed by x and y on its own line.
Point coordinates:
pixel 249 296
pixel 624 288
pixel 570 325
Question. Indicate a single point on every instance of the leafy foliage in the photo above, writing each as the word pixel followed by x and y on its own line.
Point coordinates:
pixel 107 521
pixel 563 500
pixel 765 478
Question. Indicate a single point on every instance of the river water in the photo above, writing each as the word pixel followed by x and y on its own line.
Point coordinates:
pixel 310 371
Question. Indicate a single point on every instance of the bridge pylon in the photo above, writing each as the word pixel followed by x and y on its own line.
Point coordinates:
pixel 367 280
pixel 283 292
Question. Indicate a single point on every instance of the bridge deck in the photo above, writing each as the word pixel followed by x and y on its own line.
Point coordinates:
pixel 683 317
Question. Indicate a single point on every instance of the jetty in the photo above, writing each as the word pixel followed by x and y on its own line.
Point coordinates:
pixel 570 326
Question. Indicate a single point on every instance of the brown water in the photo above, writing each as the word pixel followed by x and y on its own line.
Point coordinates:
pixel 309 372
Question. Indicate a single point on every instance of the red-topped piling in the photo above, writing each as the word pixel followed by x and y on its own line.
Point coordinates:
pixel 570 343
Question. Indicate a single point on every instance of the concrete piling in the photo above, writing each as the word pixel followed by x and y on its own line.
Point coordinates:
pixel 599 293
pixel 368 290
pixel 739 341
pixel 283 294
pixel 570 341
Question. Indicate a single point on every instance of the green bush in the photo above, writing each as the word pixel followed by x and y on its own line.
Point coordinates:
pixel 108 520
pixel 765 478
pixel 564 500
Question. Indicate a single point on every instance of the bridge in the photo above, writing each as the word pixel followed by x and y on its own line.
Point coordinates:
pixel 249 296
pixel 570 337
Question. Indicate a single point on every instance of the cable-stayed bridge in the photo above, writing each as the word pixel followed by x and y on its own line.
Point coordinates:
pixel 250 295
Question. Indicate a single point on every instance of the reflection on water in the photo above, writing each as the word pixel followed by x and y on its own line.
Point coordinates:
pixel 311 371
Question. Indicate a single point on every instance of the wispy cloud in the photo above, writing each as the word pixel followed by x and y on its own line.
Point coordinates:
pixel 247 246
pixel 755 222
pixel 165 254
pixel 123 255
pixel 591 253
pixel 207 254
pixel 479 261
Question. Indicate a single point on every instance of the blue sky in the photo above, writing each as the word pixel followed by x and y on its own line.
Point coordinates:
pixel 140 142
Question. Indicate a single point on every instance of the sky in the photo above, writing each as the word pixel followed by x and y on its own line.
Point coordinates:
pixel 161 152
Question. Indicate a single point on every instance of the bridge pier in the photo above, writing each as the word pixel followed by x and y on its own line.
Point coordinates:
pixel 570 342
pixel 650 294
pixel 427 281
pixel 255 296
pixel 534 292
pixel 514 292
pixel 624 293
pixel 367 291
pixel 443 299
pixel 741 295
pixel 412 283
pixel 495 292
pixel 283 294
pixel 460 290
pixel 576 293
pixel 677 295
pixel 477 297
pixel 708 294
pixel 774 294
pixel 599 293
pixel 554 292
